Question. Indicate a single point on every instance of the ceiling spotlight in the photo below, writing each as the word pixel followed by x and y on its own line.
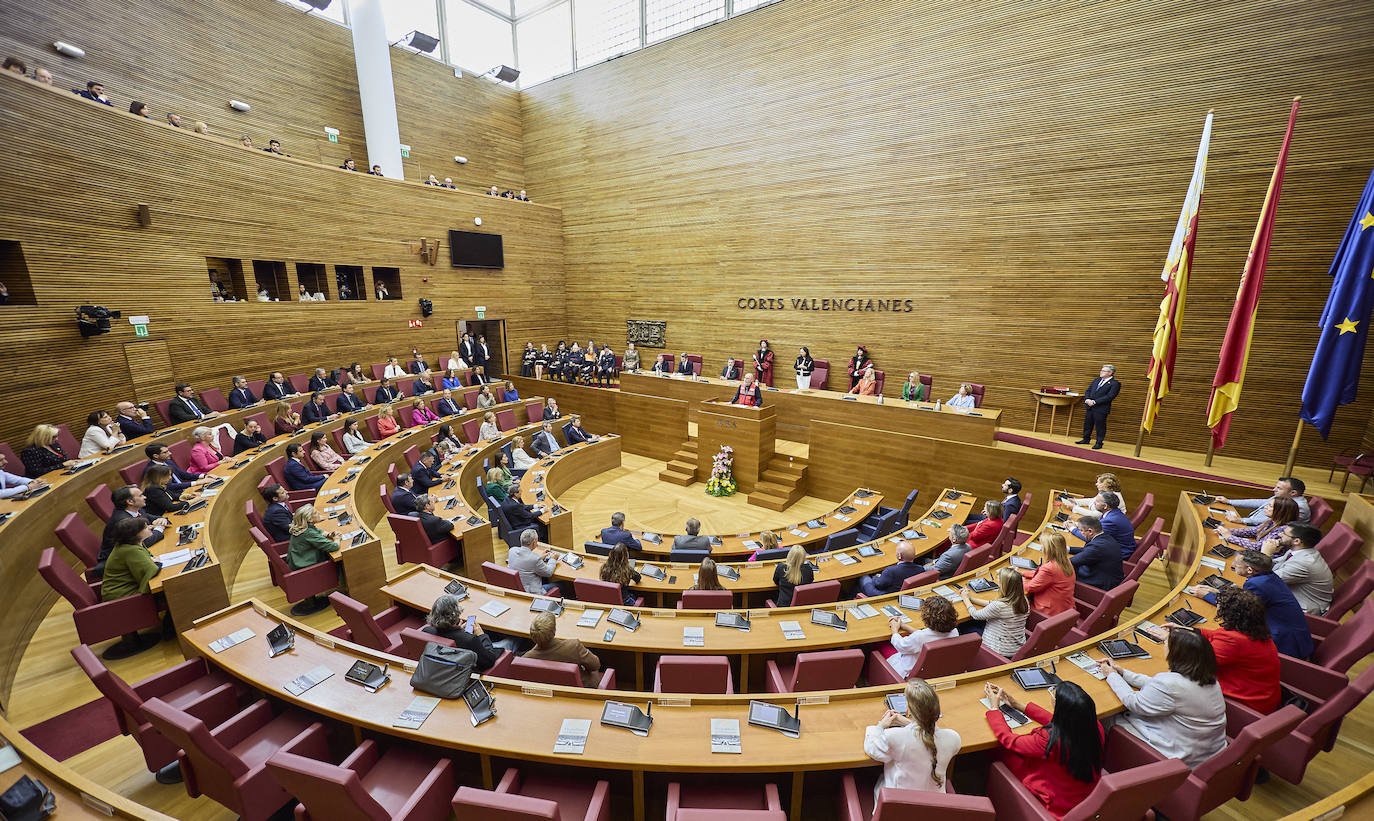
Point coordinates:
pixel 505 74
pixel 68 50
pixel 419 41
pixel 238 105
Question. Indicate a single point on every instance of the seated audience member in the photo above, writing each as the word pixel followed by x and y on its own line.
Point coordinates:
pixel 493 485
pixel 448 183
pixel 1105 481
pixel 277 388
pixel 485 400
pixel 140 110
pixel 42 75
pixel 201 128
pixel 356 375
pixel 1060 762
pixel 319 380
pixel 856 366
pixel 240 396
pixel 605 366
pixel 544 442
pixel 436 527
pixel 500 466
pixel 520 515
pixel 403 497
pixel 322 455
pixel 791 573
pixel 455 361
pixel 43 454
pixel 630 360
pixel 867 384
pixel 277 515
pixel 445 619
pixel 376 171
pixel 315 410
pixel 284 420
pixel 941 622
pixel 571 651
pixel 447 406
pixel 302 295
pixel 16 66
pixel 1114 523
pixel 133 421
pixel 948 562
pixel 915 751
pixel 382 292
pixel 527 358
pixel 418 366
pixel 158 500
pixel 731 371
pixel 962 399
pixel 160 454
pixel 349 165
pixel 534 568
pixel 521 460
pixel 424 472
pixel 12 484
pixel 128 504
pixel 768 540
pixel 576 435
pixel 1279 512
pixel 551 410
pixel 353 439
pixel 692 540
pixel 488 431
pixel 246 141
pixel 309 544
pixel 1282 613
pixel 913 389
pixel 94 91
pixel 985 530
pixel 493 192
pixel 1050 586
pixel 662 364
pixel 1290 487
pixel 250 437
pixel 1247 660
pixel 386 421
pixel 349 401
pixel 421 415
pixel 1004 618
pixel 1303 569
pixel 616 570
pixel 185 407
pixel 386 391
pixel 423 384
pixel 205 455
pixel 617 534
pixel 572 364
pixel 510 394
pixel 1180 712
pixel 523 197
pixel 685 366
pixel 393 369
pixel 1098 561
pixel 1010 505
pixel 102 435
pixel 892 576
pixel 174 120
pixel 445 435
pixel 298 476
pixel 804 366
pixel 433 180
pixel 706 576
pixel 452 380
pixel 747 393
pixel 130 566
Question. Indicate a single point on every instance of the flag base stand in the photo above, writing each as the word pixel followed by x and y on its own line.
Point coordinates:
pixel 1211 449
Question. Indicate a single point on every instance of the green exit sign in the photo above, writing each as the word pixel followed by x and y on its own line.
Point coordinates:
pixel 140 330
pixel 405 152
pixel 333 138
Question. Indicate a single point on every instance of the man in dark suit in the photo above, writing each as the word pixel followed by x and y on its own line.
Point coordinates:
pixel 319 381
pixel 662 364
pixel 748 393
pixel 436 528
pixel 891 578
pixel 423 384
pixel 467 350
pixel 315 410
pixel 424 474
pixel 1098 561
pixel 277 517
pixel 277 387
pixel 94 91
pixel 160 454
pixel 551 410
pixel 133 420
pixel 348 400
pixel 1097 403
pixel 685 367
pixel 1010 505
pixel 1114 523
pixel 544 442
pixel 403 497
pixel 448 406
pixel 185 407
pixel 520 515
pixel 298 476
pixel 386 392
pixel 574 432
pixel 250 437
pixel 240 396
pixel 128 502
pixel 730 371
pixel 617 534
pixel 419 365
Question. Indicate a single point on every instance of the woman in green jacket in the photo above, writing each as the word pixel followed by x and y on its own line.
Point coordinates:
pixel 496 487
pixel 912 389
pixel 309 545
pixel 130 566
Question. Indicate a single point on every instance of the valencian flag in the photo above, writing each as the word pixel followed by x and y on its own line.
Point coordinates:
pixel 1177 268
pixel 1235 347
pixel 1335 372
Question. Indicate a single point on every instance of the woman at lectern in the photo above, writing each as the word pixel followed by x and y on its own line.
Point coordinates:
pixel 763 363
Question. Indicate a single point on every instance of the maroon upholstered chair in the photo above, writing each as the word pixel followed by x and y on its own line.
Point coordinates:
pixel 1089 596
pixel 162 406
pixel 821 670
pixel 977 391
pixel 256 386
pixel 69 443
pixel 975 558
pixel 820 374
pixel 413 641
pixel 413 545
pixel 96 621
pixel 856 804
pixel 814 593
pixel 555 672
pixel 1228 774
pixel 402 784
pixel 505 577
pixel 706 600
pixel 1045 637
pixel 337 435
pixel 472 430
pixel 78 538
pixel 1320 510
pixel 535 412
pixel 694 674
pixel 1142 511
pixel 392 472
pixel 181 453
pixel 1124 795
pixel 370 393
pixel 412 455
pixel 226 441
pixel 942 657
pixel 209 695
pixel 1102 616
pixel 99 501
pixel 1147 541
pixel 724 803
pixel 1338 545
pixel 879 378
pixel 300 381
pixel 929 381
pixel 1351 641
pixel 1348 594
pixel 277 470
pixel 386 498
pixel 595 590
pixel 133 474
pixel 213 398
pixel 536 798
pixel 505 419
pixel 11 458
pixel 228 763
pixel 695 359
pixel 470 399
pixel 378 370
pixel 380 632
pixel 296 585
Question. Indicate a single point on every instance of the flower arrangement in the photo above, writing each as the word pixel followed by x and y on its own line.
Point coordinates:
pixel 722 481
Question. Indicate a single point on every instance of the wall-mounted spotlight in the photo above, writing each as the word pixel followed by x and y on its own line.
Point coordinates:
pixel 69 50
pixel 239 105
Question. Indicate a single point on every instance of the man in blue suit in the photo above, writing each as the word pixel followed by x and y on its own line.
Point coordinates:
pixel 159 454
pixel 298 476
pixel 617 534
pixel 1114 523
pixel 133 420
pixel 1098 561
pixel 348 400
pixel 277 517
pixel 403 497
pixel 315 410
pixel 574 432
pixel 1097 403
pixel 890 580
pixel 424 474
pixel 447 406
pixel 320 381
pixel 240 396
pixel 1282 613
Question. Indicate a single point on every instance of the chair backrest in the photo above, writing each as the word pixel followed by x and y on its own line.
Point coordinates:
pixel 772 553
pixel 929 381
pixel 820 376
pixel 596 548
pixel 1047 635
pixel 904 515
pixel 843 539
pixel 1317 727
pixel 1146 559
pixel 180 451
pixel 100 503
pixel 256 385
pixel 535 411
pixel 826 670
pixel 918 805
pixel 1150 538
pixel 372 428
pixel 1320 510
pixel 817 593
pixel 470 802
pixel 1348 643
pixel 1130 793
pixel 691 555
pixel 226 441
pixel 1225 774
pixel 162 407
pixel 504 577
pixel 337 435
pixel 472 430
pixel 595 590
pixel 60 577
pixel 11 458
pixel 1355 590
pixel 274 559
pixel 1339 545
pixel 386 497
pixel 326 790
pixel 1105 614
pixel 546 672
pixel 1021 514
pixel 975 558
pixel 299 381
pixel 393 472
pixel 364 628
pixel 879 378
pixel 694 674
pixel 1003 542
pixel 405 415
pixel 412 455
pixel 78 537
pixel 213 398
pixel 214 767
pixel 505 419
pixel 567 435
pixel 695 359
pixel 1142 510
pixel 707 600
pixel 67 441
pixel 111 686
pixel 378 370
pixel 946 657
pixel 920 579
pixel 976 391
pixel 133 474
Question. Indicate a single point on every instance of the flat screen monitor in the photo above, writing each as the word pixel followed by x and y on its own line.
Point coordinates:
pixel 468 249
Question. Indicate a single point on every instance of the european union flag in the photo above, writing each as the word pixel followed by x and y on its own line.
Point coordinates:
pixel 1335 373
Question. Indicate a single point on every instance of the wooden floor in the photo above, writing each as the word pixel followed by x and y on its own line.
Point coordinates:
pixel 49 683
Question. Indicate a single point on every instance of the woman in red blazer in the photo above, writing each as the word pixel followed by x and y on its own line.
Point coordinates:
pixel 985 531
pixel 1050 585
pixel 1061 762
pixel 1247 659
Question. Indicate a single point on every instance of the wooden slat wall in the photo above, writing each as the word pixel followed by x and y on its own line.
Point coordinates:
pixel 68 194
pixel 1015 168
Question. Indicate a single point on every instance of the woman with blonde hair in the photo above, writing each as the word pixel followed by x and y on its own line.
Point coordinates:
pixel 913 389
pixel 1004 618
pixel 521 460
pixel 706 576
pixel 916 753
pixel 1105 481
pixel 455 362
pixel 309 545
pixel 964 398
pixel 1051 585
pixel 867 384
pixel 489 432
pixel 158 500
pixel 496 489
pixel 42 454
pixel 793 571
pixel 386 422
pixel 284 420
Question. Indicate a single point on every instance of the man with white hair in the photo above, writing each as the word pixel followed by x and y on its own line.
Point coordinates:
pixel 1097 403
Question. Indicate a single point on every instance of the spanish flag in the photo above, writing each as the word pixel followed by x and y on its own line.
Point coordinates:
pixel 1235 347
pixel 1177 268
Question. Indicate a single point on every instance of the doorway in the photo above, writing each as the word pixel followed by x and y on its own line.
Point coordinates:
pixel 495 332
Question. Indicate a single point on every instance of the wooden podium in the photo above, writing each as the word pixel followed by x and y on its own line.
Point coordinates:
pixel 749 431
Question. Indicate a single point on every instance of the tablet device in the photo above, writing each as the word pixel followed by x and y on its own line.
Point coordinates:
pixel 1122 649
pixel 907 602
pixel 846 509
pixel 727 572
pixel 763 714
pixel 896 702
pixel 546 606
pixel 739 621
pixel 480 703
pixel 1204 499
pixel 829 619
pixel 1185 617
pixel 653 572
pixel 981 585
pixel 1221 551
pixel 624 618
pixel 1061 516
pixel 862 493
pixel 1218 582
pixel 1022 563
pixel 628 717
pixel 869 550
pixel 368 675
pixel 279 640
pixel 357 540
pixel 1211 522
pixel 953 495
pixel 1033 678
pixel 940 514
pixel 456 589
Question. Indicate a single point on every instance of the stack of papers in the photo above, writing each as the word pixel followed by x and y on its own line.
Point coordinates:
pixel 948 593
pixel 791 630
pixel 799 533
pixel 415 713
pixel 494 608
pixel 236 637
pixel 174 558
pixel 300 684
pixel 1086 664
pixel 590 618
pixel 725 735
pixel 862 611
pixel 845 559
pixel 572 736
pixel 693 637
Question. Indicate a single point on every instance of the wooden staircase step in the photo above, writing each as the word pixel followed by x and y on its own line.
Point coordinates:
pixel 770 502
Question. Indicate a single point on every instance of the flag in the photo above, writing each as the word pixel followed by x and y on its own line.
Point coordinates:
pixel 1177 268
pixel 1335 371
pixel 1235 347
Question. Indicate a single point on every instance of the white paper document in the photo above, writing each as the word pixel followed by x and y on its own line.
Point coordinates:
pixel 572 736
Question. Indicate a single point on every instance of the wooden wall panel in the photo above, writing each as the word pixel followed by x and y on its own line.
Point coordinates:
pixel 652 426
pixel 82 244
pixel 1015 169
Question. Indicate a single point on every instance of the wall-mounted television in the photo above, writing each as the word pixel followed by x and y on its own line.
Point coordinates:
pixel 468 249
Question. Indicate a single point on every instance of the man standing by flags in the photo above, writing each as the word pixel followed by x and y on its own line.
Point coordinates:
pixel 1097 403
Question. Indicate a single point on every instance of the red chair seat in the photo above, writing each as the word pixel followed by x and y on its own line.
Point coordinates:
pixel 530 798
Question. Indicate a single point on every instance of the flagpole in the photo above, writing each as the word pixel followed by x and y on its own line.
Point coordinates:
pixel 1293 451
pixel 1140 432
pixel 1211 448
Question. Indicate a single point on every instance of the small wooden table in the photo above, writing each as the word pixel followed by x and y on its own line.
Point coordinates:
pixel 1055 401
